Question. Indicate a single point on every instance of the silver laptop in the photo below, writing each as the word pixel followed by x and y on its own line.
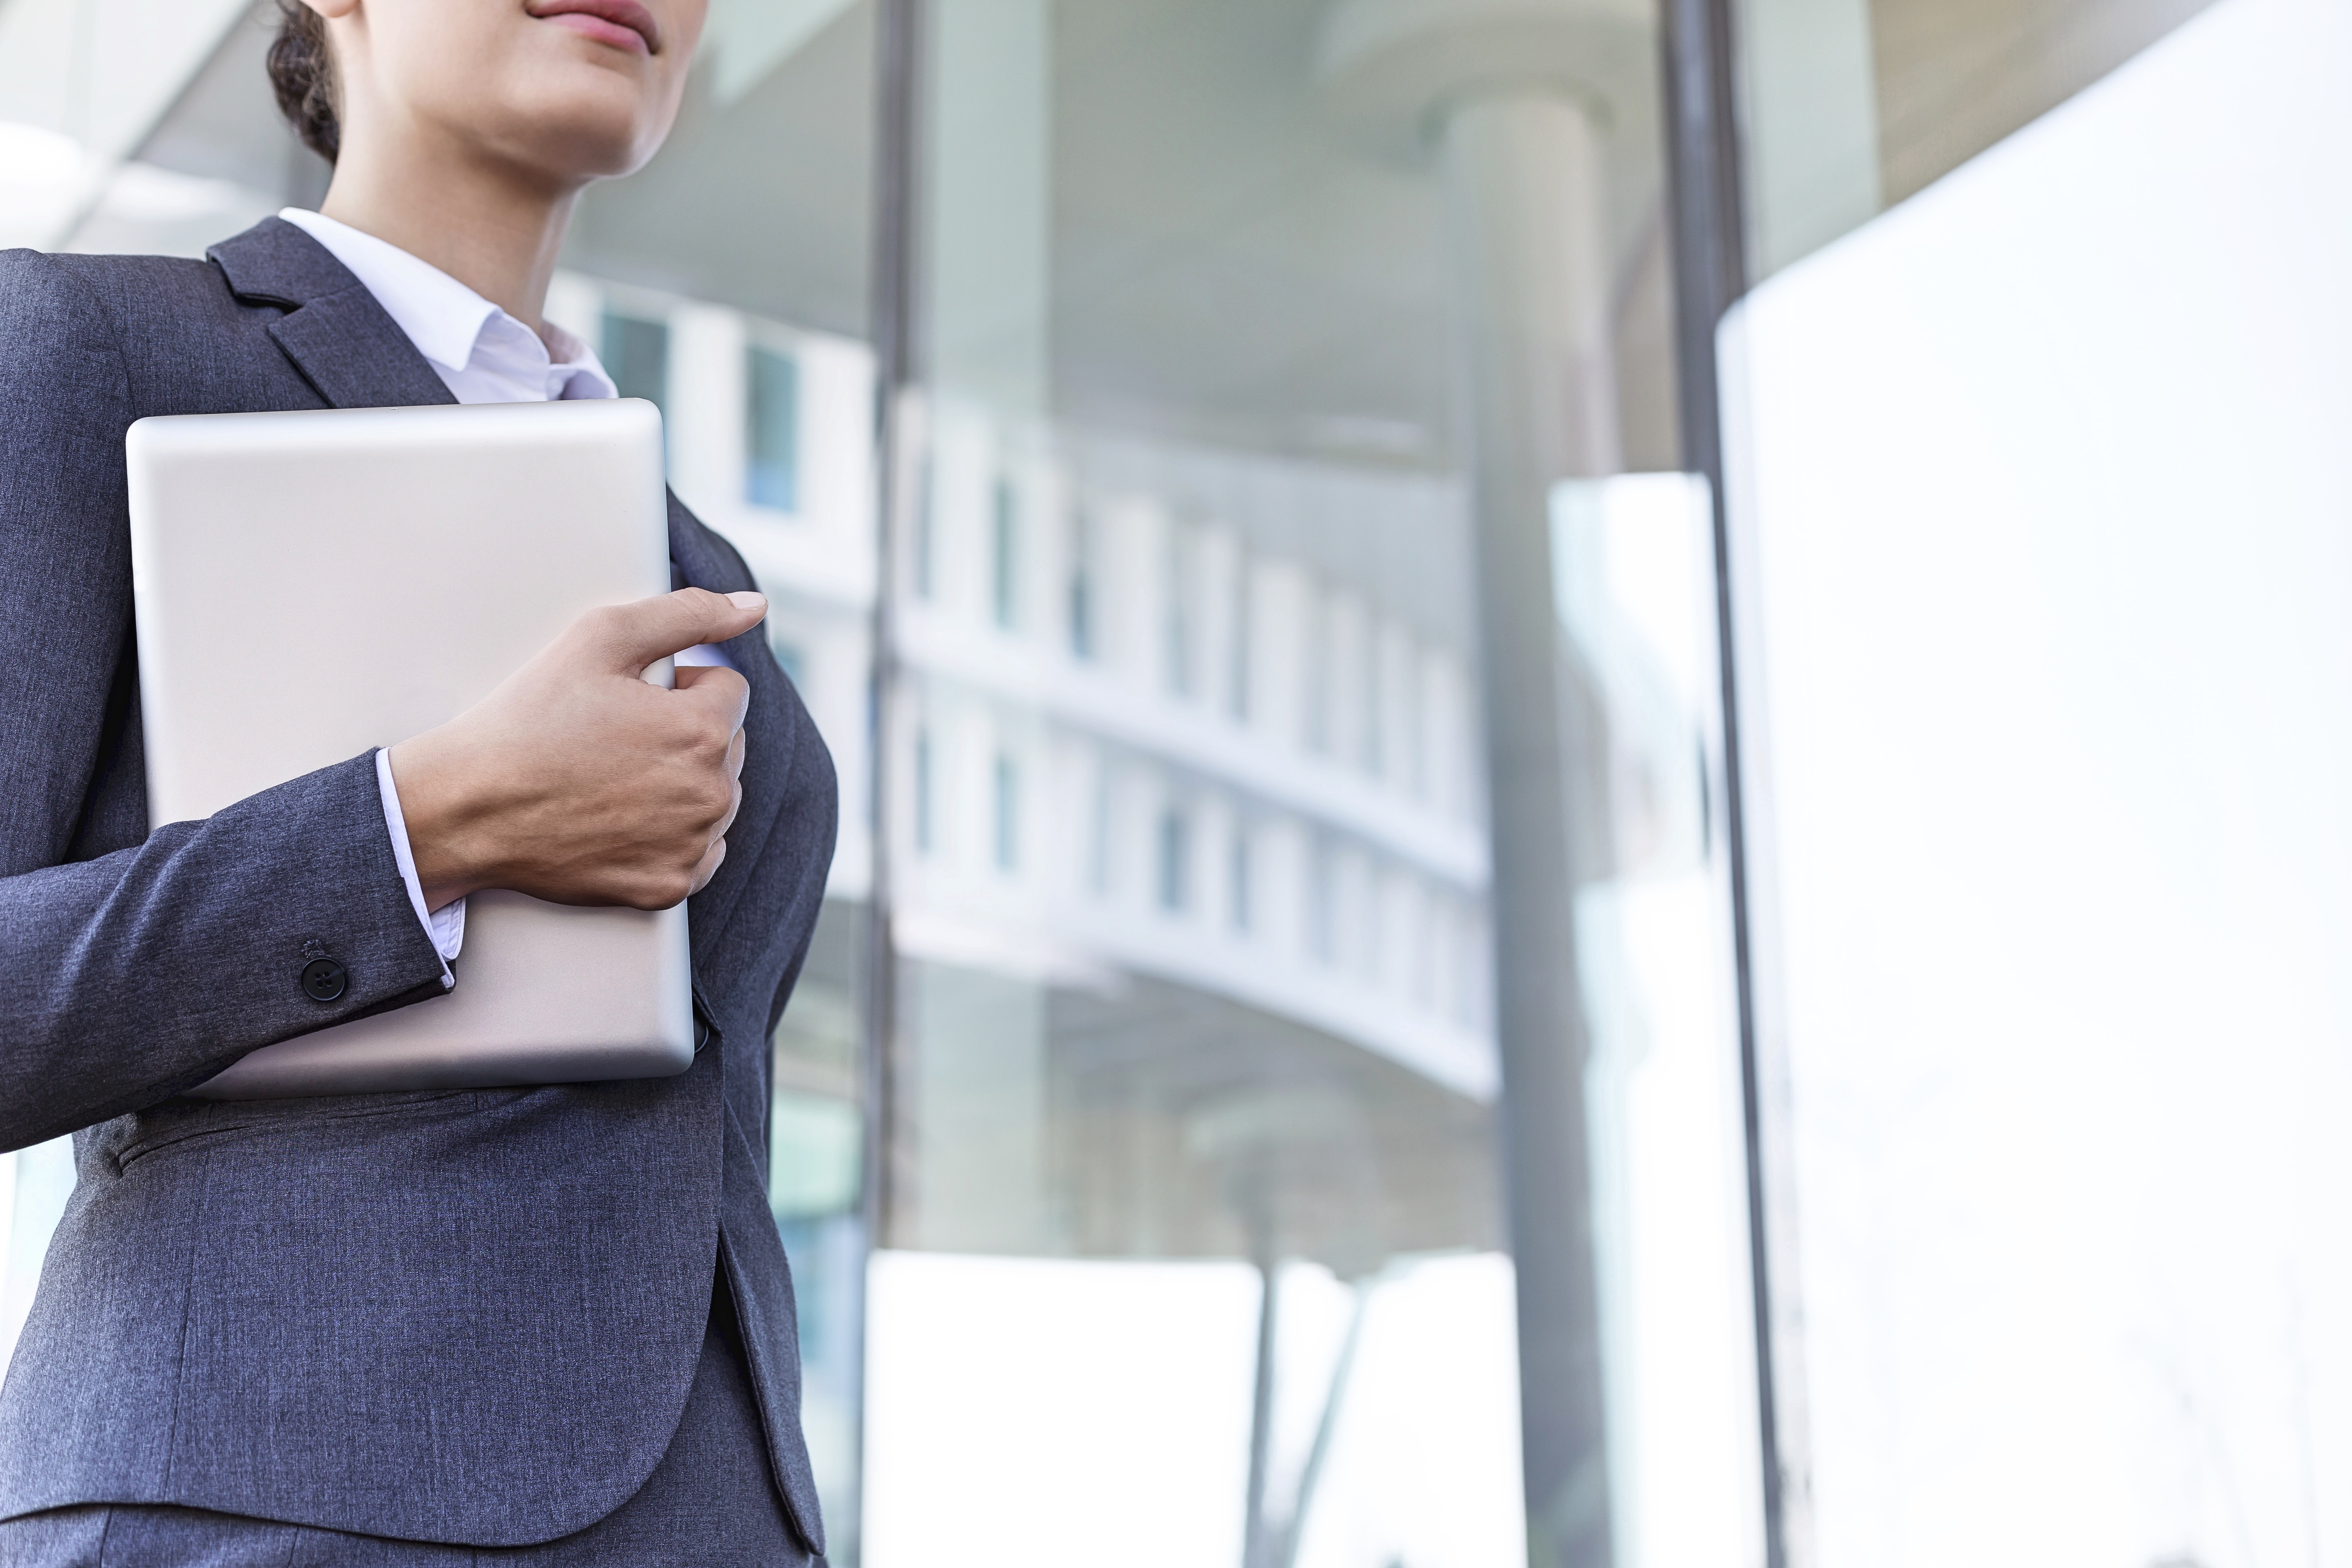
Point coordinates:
pixel 312 585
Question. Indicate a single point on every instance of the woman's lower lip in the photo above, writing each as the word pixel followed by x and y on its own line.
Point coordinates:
pixel 600 30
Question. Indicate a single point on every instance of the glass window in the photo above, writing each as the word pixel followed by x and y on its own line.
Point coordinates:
pixel 1177 611
pixel 1007 815
pixel 1237 650
pixel 789 655
pixel 816 1150
pixel 1237 881
pixel 816 1153
pixel 1175 846
pixel 1004 556
pixel 1293 319
pixel 772 437
pixel 636 356
pixel 924 549
pixel 925 793
pixel 1082 586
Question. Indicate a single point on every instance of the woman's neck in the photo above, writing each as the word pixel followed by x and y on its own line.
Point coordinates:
pixel 492 230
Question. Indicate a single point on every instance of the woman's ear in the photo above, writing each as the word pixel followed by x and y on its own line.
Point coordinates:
pixel 333 10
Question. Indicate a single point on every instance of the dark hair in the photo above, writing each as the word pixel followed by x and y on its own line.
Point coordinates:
pixel 302 74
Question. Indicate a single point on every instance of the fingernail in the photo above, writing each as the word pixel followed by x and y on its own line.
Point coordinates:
pixel 748 601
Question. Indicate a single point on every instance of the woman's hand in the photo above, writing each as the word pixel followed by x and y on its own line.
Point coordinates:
pixel 578 783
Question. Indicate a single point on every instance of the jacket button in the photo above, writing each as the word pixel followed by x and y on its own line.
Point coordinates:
pixel 324 979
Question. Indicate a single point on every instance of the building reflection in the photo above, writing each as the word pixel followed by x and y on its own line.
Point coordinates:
pixel 1195 1200
pixel 1191 908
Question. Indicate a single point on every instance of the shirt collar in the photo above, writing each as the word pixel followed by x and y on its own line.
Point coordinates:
pixel 447 321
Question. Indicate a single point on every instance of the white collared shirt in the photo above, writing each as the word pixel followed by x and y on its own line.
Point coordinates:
pixel 483 355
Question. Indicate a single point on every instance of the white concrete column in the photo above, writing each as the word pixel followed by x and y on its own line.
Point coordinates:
pixel 1523 176
pixel 1512 100
pixel 1526 222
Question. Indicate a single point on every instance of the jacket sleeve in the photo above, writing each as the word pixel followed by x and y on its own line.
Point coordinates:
pixel 131 976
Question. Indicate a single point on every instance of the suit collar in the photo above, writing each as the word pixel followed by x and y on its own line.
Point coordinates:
pixel 274 263
pixel 336 333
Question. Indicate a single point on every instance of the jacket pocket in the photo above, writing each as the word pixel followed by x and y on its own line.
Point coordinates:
pixel 207 1125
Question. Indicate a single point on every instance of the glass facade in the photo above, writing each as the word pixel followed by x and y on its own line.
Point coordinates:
pixel 1527 693
pixel 1254 346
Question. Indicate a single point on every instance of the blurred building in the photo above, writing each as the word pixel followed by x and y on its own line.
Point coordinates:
pixel 1588 749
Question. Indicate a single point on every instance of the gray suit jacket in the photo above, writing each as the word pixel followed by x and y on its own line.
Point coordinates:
pixel 468 1316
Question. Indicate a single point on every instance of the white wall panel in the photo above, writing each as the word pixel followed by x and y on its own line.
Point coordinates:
pixel 2048 531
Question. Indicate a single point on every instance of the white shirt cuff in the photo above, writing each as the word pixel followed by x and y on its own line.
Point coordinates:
pixel 705 653
pixel 445 928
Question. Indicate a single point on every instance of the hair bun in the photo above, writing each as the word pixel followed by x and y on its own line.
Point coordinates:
pixel 302 75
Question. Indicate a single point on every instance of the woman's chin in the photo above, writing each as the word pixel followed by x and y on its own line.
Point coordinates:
pixel 578 147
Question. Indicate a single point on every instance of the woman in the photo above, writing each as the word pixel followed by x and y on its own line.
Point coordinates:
pixel 550 1324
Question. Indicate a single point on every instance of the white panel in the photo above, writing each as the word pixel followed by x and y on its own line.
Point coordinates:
pixel 705 403
pixel 2044 477
pixel 1278 598
pixel 992 1381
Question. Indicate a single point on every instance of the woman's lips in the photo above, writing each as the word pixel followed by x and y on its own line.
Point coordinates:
pixel 621 24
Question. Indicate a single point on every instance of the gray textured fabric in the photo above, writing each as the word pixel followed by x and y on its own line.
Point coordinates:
pixel 708 1504
pixel 471 1317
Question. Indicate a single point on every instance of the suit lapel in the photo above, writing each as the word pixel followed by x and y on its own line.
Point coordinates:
pixel 356 355
pixel 701 562
pixel 341 341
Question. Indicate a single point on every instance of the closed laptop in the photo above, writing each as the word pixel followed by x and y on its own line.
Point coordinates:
pixel 310 584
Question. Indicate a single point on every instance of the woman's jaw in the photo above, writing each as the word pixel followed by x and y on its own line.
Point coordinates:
pixel 561 92
pixel 469 127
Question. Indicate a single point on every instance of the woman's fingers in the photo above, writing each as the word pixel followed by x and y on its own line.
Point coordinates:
pixel 723 690
pixel 522 790
pixel 625 638
pixel 711 860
